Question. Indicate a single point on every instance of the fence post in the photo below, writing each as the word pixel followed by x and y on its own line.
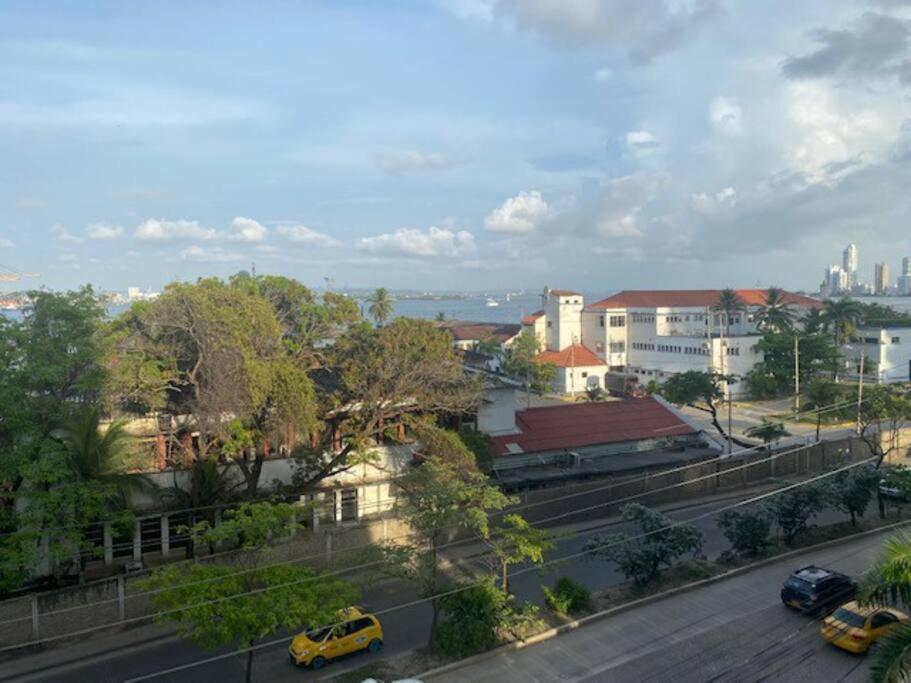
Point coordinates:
pixel 165 536
pixel 108 544
pixel 121 598
pixel 328 550
pixel 137 541
pixel 293 530
pixel 35 630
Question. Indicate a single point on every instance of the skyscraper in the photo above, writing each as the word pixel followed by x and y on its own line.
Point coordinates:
pixel 904 282
pixel 849 264
pixel 881 278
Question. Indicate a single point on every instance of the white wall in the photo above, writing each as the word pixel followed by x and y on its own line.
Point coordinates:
pixel 578 379
pixel 564 321
pixel 497 412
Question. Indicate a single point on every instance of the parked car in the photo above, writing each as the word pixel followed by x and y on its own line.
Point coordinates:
pixel 356 631
pixel 896 484
pixel 814 590
pixel 854 627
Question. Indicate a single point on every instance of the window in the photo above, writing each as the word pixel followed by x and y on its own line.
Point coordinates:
pixel 550 323
pixel 871 340
pixel 349 505
pixel 617 321
pixel 359 625
pixel 896 340
pixel 601 320
pixel 617 347
pixel 584 375
pixel 881 619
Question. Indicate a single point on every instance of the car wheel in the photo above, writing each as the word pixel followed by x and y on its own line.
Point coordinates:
pixel 375 645
pixel 318 663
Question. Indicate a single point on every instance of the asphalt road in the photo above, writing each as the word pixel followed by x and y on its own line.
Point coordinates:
pixel 405 629
pixel 733 630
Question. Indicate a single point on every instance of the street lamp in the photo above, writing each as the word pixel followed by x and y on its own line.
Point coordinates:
pixel 860 382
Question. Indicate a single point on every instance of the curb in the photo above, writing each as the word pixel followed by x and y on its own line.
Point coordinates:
pixel 625 607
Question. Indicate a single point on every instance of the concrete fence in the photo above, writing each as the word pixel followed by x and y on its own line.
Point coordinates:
pixel 118 599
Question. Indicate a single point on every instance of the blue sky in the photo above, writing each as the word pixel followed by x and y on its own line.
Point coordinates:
pixel 459 144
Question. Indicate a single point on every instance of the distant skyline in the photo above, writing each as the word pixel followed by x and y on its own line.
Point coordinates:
pixel 455 144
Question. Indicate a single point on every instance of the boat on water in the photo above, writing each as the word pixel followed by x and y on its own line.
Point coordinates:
pixel 492 302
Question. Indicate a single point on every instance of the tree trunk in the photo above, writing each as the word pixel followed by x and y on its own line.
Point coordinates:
pixel 881 504
pixel 818 422
pixel 853 519
pixel 249 678
pixel 506 578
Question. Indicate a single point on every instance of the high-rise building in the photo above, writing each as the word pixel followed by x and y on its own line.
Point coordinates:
pixel 836 281
pixel 881 278
pixel 849 264
pixel 904 281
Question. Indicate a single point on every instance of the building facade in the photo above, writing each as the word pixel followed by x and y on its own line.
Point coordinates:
pixel 886 352
pixel 881 278
pixel 849 265
pixel 651 334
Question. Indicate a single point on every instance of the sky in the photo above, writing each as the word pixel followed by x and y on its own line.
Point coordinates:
pixel 454 144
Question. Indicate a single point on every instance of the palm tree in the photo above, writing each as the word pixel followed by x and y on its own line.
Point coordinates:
pixel 888 583
pixel 842 315
pixel 815 321
pixel 776 313
pixel 209 486
pixel 380 305
pixel 729 303
pixel 93 454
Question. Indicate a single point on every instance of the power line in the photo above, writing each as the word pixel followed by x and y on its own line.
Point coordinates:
pixel 538 523
pixel 587 551
pixel 460 589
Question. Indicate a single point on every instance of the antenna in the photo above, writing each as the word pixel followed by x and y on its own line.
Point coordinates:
pixel 253 270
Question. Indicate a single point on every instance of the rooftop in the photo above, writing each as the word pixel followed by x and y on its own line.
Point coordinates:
pixel 563 292
pixel 466 330
pixel 660 298
pixel 575 356
pixel 530 319
pixel 575 425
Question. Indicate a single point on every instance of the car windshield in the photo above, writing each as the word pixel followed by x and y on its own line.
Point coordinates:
pixel 319 635
pixel 848 617
pixel 799 585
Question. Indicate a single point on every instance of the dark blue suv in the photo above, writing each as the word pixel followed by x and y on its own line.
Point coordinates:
pixel 814 590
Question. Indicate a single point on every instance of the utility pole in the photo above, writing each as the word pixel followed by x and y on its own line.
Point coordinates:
pixel 860 386
pixel 796 373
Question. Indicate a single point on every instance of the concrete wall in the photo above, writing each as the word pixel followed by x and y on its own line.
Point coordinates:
pixel 497 412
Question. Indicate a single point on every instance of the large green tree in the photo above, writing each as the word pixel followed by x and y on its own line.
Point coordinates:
pixel 774 375
pixel 699 390
pixel 437 499
pixel 775 313
pixel 381 304
pixel 215 604
pixel 519 361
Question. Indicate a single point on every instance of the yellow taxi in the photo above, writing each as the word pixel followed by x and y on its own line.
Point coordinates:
pixel 356 630
pixel 854 627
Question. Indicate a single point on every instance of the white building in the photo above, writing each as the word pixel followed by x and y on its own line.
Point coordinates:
pixel 886 351
pixel 836 281
pixel 849 265
pixel 881 278
pixel 904 280
pixel 652 334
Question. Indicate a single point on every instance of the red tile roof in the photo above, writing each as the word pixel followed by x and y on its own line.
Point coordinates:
pixel 563 292
pixel 571 357
pixel 692 298
pixel 589 424
pixel 464 330
pixel 530 319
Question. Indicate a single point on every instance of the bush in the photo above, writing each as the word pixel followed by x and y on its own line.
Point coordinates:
pixel 747 529
pixel 473 620
pixel 659 544
pixel 479 445
pixel 567 596
pixel 793 509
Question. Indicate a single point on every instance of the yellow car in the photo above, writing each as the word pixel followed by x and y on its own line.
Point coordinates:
pixel 854 627
pixel 357 630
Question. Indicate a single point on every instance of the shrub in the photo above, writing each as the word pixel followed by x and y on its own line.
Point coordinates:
pixel 793 509
pixel 474 619
pixel 747 529
pixel 567 596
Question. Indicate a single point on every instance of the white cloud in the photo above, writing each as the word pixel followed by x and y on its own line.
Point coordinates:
pixel 640 137
pixel 711 205
pixel 411 161
pixel 520 214
pixel 103 231
pixel 6 244
pixel 304 235
pixel 64 235
pixel 411 242
pixel 209 254
pixel 167 231
pixel 603 75
pixel 726 115
pixel 247 230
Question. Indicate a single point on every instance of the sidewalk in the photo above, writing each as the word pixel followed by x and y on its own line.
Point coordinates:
pixel 104 645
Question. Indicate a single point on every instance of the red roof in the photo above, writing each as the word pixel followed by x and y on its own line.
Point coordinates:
pixel 658 298
pixel 563 292
pixel 571 357
pixel 589 424
pixel 530 319
pixel 463 330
